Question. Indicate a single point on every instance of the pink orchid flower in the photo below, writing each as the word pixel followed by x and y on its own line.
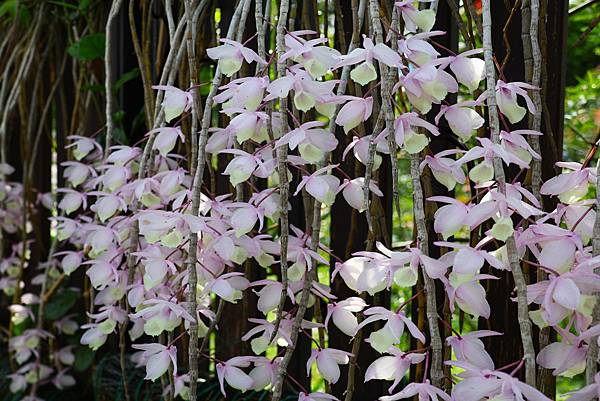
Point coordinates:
pixel 230 372
pixel 393 367
pixel 231 54
pixel 360 148
pixel 365 72
pixel 425 391
pixel 461 118
pixel 353 192
pixel 443 168
pixel 506 98
pixel 308 93
pixel 158 358
pixel 391 333
pixel 322 187
pixel 567 357
pixel 569 186
pixel 243 93
pixel 469 348
pixel 328 361
pixel 176 101
pixel 316 60
pixel 417 49
pixel 354 112
pixel 312 141
pixel 166 138
pixel 406 135
pixel 426 85
pixel 342 314
pixel 514 143
pixel 415 18
pixel 82 146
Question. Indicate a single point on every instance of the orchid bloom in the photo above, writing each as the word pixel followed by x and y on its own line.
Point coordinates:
pixel 158 358
pixel 231 373
pixel 82 146
pixel 231 54
pixel 166 139
pixel 461 119
pixel 175 102
pixel 365 72
pixel 425 391
pixel 316 60
pixel 469 348
pixel 415 18
pixel 360 148
pixel 308 93
pixel 417 49
pixel 328 361
pixel 353 192
pixel 243 93
pixel 323 187
pixel 393 367
pixel 391 333
pixel 567 358
pixel 342 314
pixel 312 141
pixel 354 112
pixel 443 168
pixel 506 98
pixel 406 136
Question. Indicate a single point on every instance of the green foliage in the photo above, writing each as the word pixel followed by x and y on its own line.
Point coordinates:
pixel 84 357
pixel 60 304
pixel 126 77
pixel 89 47
pixel 583 53
pixel 582 116
pixel 12 8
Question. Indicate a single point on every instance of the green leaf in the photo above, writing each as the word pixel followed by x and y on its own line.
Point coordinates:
pixel 84 357
pixel 14 7
pixel 89 47
pixel 60 304
pixel 126 77
pixel 84 4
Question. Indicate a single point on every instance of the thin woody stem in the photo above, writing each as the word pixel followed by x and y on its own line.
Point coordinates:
pixel 513 257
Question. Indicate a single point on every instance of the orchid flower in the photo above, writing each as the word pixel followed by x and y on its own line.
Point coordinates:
pixel 391 333
pixel 243 93
pixel 353 192
pixel 360 148
pixel 342 314
pixel 231 54
pixel 158 358
pixel 425 391
pixel 82 146
pixel 417 49
pixel 365 72
pixel 175 102
pixel 415 18
pixel 312 141
pixel 461 119
pixel 506 98
pixel 322 187
pixel 308 93
pixel 443 168
pixel 316 60
pixel 405 134
pixel 393 367
pixel 231 373
pixel 328 361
